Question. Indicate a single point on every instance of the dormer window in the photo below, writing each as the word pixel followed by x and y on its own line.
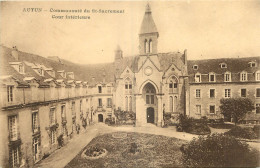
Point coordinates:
pixel 40 71
pixel 257 75
pixel 223 65
pixel 195 67
pixel 18 66
pixel 212 77
pixel 252 64
pixel 197 77
pixel 227 77
pixel 243 76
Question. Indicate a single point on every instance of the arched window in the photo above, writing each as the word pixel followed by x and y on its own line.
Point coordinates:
pixel 173 84
pixel 128 86
pixel 150 46
pixel 149 93
pixel 146 46
pixel 171 104
pixel 175 104
pixel 126 103
pixel 130 103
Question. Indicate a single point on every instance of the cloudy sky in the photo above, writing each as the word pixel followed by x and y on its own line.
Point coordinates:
pixel 207 29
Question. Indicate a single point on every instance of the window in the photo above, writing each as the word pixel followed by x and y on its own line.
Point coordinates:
pixel 52 116
pixel 212 93
pixel 198 109
pixel 212 109
pixel 99 89
pixel 211 77
pixel 36 153
pixel 109 102
pixel 170 85
pixel 73 112
pixel 223 65
pixel 10 93
pixel 173 84
pixel 197 93
pixel 227 93
pixel 53 137
pixel 63 113
pixel 35 122
pixel 195 67
pixel 130 86
pixel 80 106
pixel 251 64
pixel 257 76
pixel 149 97
pixel 171 104
pixel 21 69
pixel 227 77
pixel 243 76
pixel 258 92
pixel 150 46
pixel 126 86
pixel 126 103
pixel 100 102
pixel 243 92
pixel 13 128
pixel 198 78
pixel 257 107
pixel 15 156
pixel 130 103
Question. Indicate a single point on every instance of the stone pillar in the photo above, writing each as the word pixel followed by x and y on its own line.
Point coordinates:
pixel 160 111
pixel 140 111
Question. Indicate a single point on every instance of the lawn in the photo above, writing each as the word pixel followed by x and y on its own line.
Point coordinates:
pixel 154 151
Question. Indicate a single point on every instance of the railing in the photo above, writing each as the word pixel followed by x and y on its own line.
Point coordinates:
pixel 36 129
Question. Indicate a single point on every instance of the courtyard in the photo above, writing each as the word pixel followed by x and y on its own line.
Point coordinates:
pixel 156 147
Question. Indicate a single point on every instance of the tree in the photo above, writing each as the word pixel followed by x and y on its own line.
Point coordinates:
pixel 236 108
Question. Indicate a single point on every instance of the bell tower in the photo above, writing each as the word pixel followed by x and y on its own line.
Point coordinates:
pixel 148 35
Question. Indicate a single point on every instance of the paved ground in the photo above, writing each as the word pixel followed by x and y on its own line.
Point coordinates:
pixel 64 155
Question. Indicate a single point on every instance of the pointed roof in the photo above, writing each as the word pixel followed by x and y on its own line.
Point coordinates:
pixel 148 25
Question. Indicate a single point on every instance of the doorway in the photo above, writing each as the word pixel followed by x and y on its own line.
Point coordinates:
pixel 150 115
pixel 100 118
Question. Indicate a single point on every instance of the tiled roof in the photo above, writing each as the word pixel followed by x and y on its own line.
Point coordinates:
pixel 234 65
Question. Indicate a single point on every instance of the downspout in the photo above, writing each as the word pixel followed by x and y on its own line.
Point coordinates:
pixel 23 97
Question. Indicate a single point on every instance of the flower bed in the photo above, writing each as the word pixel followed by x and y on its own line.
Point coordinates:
pixel 119 135
pixel 94 153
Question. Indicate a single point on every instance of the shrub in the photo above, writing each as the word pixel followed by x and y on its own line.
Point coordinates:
pixel 239 132
pixel 218 150
pixel 256 130
pixel 110 121
pixel 193 126
pixel 123 116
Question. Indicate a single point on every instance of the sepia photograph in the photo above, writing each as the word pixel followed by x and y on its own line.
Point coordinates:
pixel 129 84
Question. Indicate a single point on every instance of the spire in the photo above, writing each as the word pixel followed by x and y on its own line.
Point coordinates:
pixel 148 25
pixel 148 8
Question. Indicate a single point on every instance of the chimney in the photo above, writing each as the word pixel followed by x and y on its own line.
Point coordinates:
pixel 104 77
pixel 118 53
pixel 185 57
pixel 15 53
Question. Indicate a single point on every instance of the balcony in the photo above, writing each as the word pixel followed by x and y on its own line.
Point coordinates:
pixel 36 129
pixel 14 137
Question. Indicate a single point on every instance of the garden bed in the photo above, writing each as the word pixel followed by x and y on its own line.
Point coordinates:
pixel 135 150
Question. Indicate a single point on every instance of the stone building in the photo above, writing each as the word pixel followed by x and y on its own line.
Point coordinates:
pixel 45 98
